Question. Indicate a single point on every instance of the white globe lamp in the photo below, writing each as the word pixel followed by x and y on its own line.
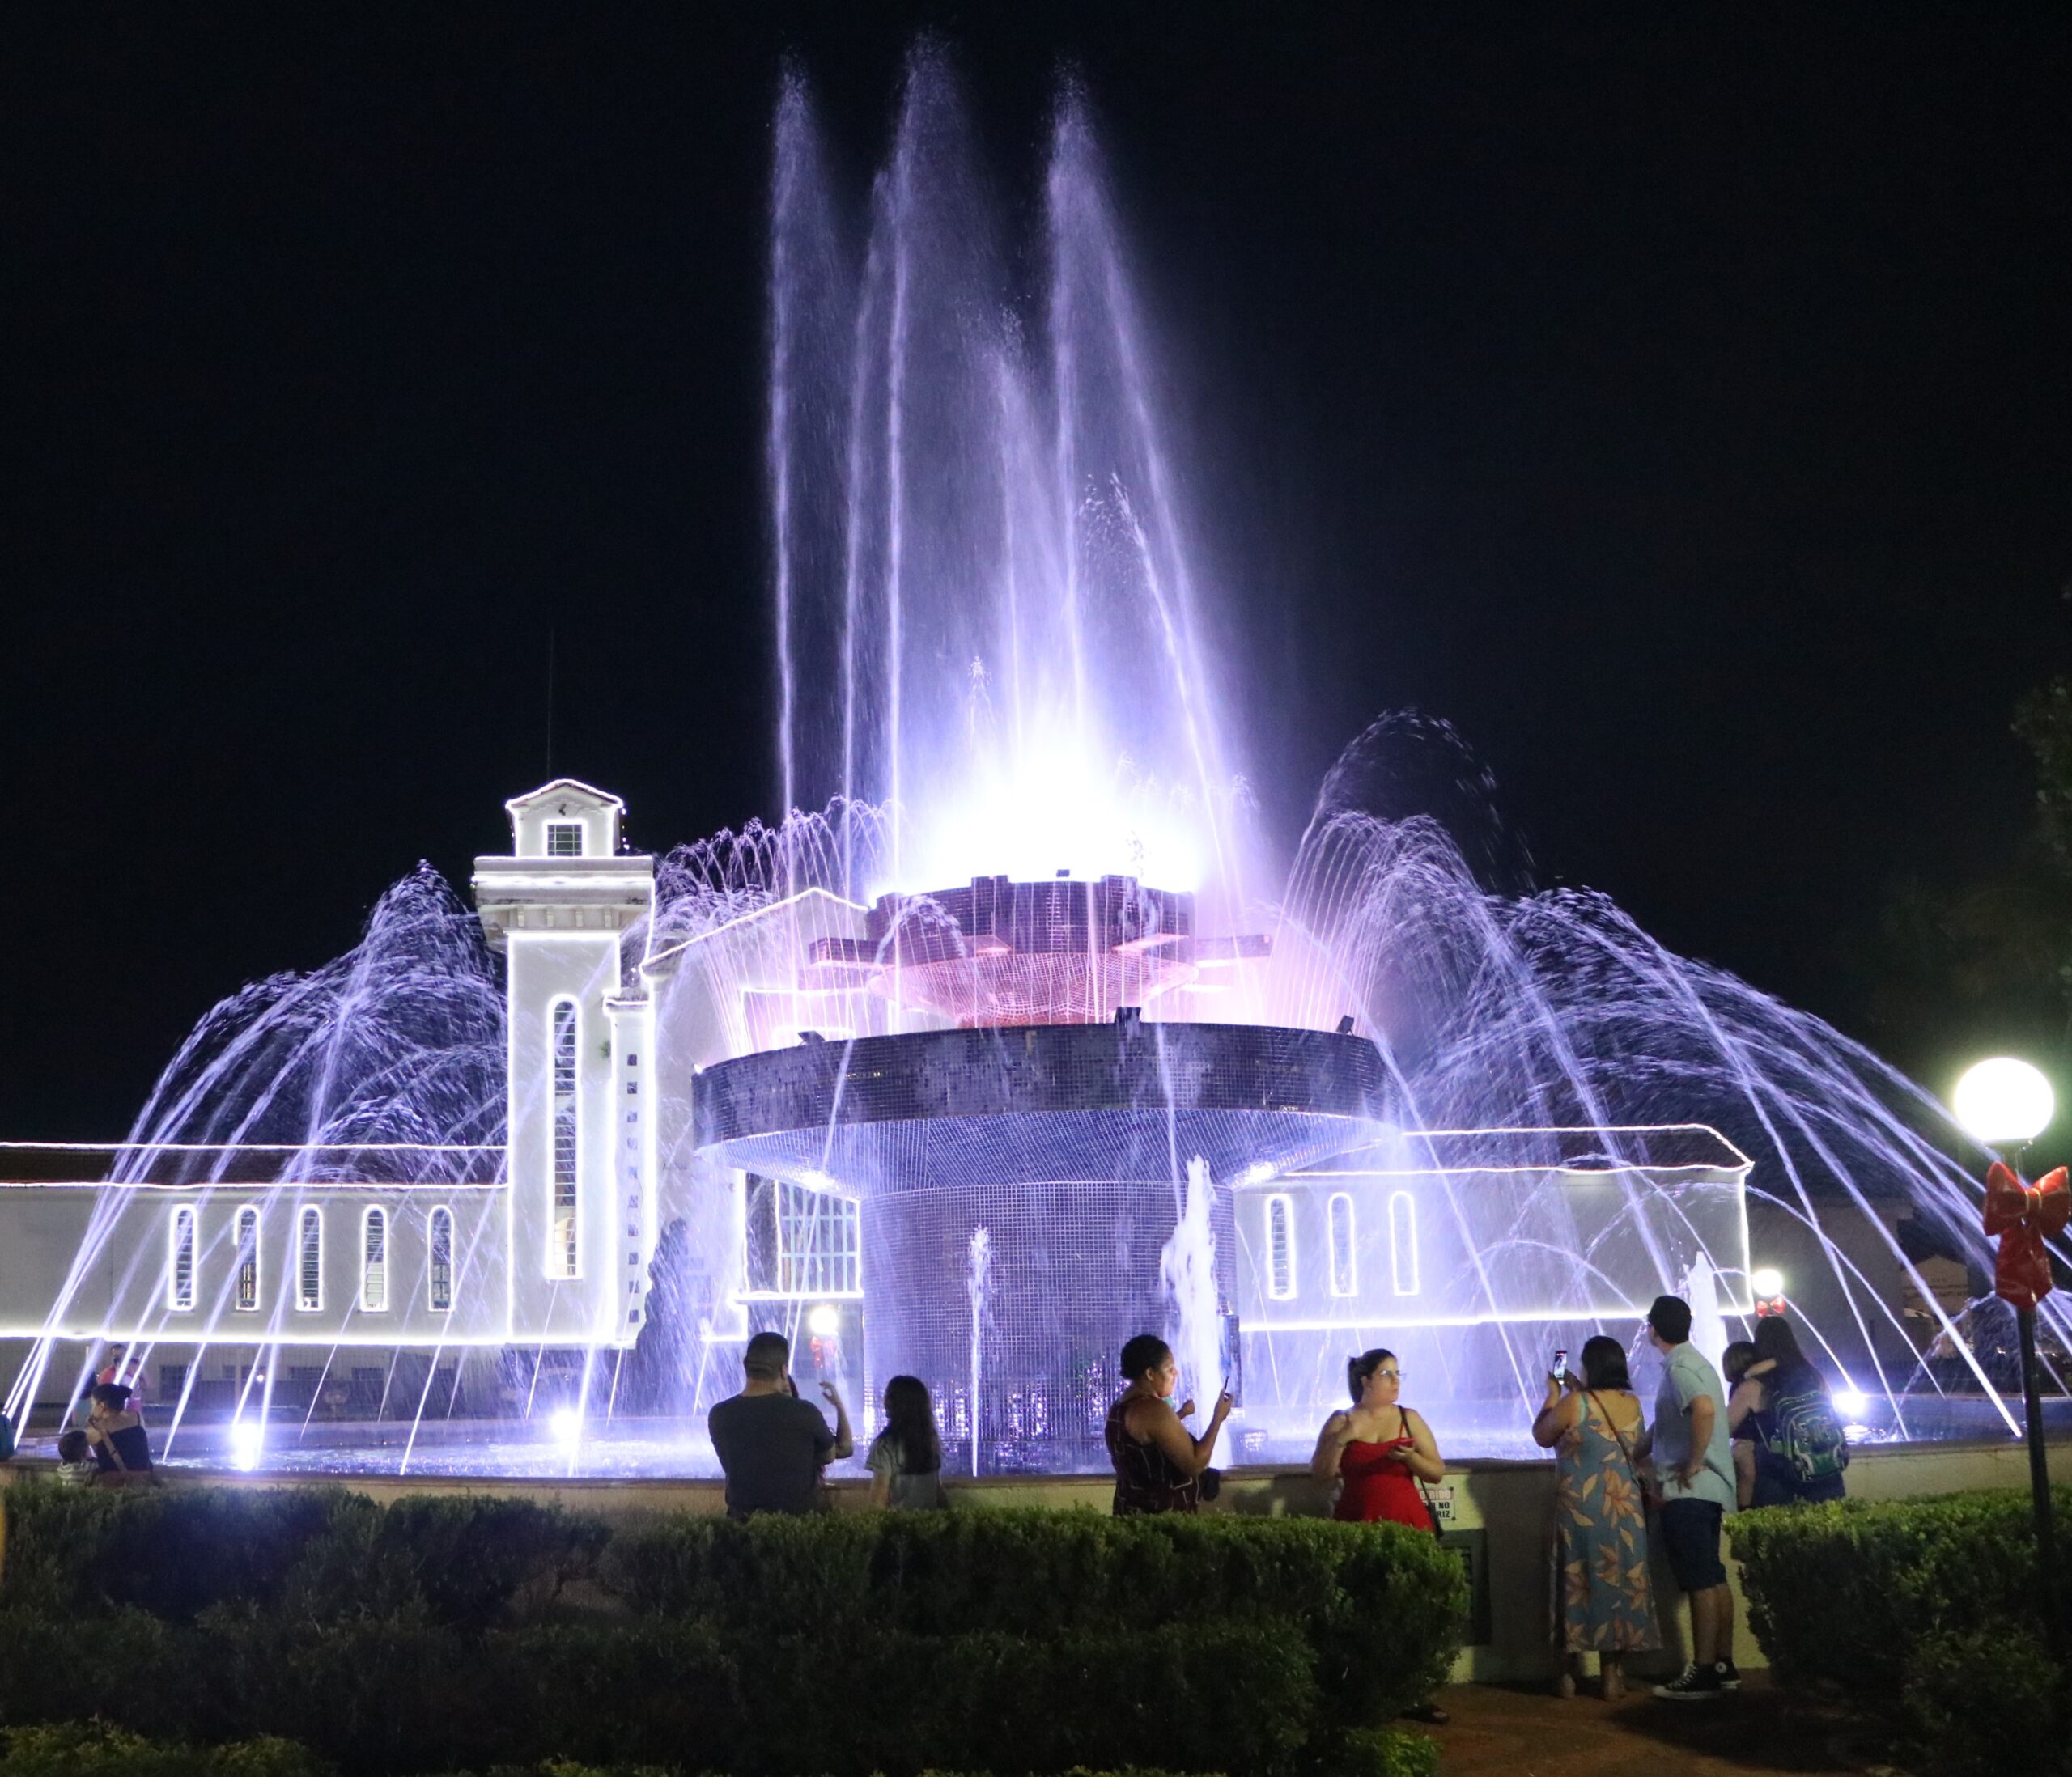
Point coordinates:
pixel 1766 1282
pixel 2003 1099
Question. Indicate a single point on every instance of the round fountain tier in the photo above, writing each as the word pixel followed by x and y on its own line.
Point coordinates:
pixel 884 1116
pixel 1000 952
pixel 1022 1188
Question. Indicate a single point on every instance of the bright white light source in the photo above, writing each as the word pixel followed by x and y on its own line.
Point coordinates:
pixel 1851 1403
pixel 2003 1099
pixel 566 1423
pixel 247 1444
pixel 824 1321
pixel 1767 1281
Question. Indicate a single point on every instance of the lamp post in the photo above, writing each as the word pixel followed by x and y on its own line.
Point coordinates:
pixel 1766 1284
pixel 2004 1102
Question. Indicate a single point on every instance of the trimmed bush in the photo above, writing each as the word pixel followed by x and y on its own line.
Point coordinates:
pixel 171 1551
pixel 1381 1607
pixel 99 1750
pixel 1842 1593
pixel 319 1552
pixel 1931 1605
pixel 415 1639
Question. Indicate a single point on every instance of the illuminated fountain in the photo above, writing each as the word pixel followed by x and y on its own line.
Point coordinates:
pixel 1023 1043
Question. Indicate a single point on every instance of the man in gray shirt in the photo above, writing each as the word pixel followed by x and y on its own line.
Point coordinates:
pixel 771 1444
pixel 1694 1479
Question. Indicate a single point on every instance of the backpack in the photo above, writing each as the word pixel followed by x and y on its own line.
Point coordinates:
pixel 1809 1436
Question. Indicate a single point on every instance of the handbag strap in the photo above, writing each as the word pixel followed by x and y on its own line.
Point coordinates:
pixel 1624 1449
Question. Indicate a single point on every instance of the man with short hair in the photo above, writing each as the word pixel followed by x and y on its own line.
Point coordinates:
pixel 1694 1480
pixel 772 1445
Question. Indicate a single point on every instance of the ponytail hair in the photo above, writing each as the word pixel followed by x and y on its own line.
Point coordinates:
pixel 1358 1369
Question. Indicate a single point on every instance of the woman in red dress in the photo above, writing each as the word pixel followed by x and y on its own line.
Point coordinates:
pixel 1377 1454
pixel 1378 1451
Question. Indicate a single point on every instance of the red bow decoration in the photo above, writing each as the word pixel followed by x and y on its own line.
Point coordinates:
pixel 2024 1216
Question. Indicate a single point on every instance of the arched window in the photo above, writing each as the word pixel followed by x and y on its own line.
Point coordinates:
pixel 1344 1278
pixel 247 1260
pixel 1402 1243
pixel 309 1259
pixel 562 1249
pixel 179 1262
pixel 1279 1248
pixel 440 1282
pixel 374 1261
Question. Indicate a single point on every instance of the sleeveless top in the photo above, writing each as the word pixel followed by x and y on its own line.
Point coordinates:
pixel 1146 1479
pixel 1377 1488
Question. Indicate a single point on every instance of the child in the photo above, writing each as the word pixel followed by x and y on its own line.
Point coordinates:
pixel 906 1457
pixel 76 1467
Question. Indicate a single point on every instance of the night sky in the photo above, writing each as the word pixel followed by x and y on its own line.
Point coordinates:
pixel 1683 410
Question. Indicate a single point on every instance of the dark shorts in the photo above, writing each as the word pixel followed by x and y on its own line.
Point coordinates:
pixel 1690 1536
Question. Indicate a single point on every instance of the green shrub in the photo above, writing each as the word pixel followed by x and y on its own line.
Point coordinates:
pixel 173 1551
pixel 1843 1591
pixel 1931 1604
pixel 1381 1607
pixel 1979 1704
pixel 321 1552
pixel 98 1750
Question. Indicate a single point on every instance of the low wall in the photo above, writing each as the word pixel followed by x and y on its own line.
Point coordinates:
pixel 1500 1516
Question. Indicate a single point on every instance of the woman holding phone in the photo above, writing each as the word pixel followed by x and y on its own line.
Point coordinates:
pixel 1602 1601
pixel 1158 1463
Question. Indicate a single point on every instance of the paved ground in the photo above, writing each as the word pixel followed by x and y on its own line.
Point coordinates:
pixel 1761 1733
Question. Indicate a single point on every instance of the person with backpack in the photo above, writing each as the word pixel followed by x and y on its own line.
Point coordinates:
pixel 1801 1448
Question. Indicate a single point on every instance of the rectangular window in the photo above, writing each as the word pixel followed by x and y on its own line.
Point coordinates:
pixel 309 1260
pixel 172 1381
pixel 1345 1278
pixel 180 1263
pixel 247 1260
pixel 819 1252
pixel 563 1252
pixel 440 1288
pixel 1280 1249
pixel 374 1261
pixel 1402 1243
pixel 564 838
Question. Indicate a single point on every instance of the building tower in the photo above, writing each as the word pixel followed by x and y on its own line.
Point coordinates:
pixel 579 1169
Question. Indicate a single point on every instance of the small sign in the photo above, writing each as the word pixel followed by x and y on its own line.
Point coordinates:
pixel 1442 1503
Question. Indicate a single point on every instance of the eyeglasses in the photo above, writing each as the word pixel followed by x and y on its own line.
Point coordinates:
pixel 1389 1375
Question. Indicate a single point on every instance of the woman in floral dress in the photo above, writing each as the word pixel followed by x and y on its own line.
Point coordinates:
pixel 1603 1602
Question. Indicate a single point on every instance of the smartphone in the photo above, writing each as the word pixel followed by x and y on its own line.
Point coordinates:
pixel 1561 1363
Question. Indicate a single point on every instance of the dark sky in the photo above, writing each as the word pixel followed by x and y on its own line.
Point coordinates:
pixel 1682 408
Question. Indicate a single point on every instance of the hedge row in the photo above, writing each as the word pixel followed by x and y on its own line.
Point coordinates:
pixel 1381 1607
pixel 1931 1604
pixel 378 1697
pixel 319 1552
pixel 417 1639
pixel 99 1750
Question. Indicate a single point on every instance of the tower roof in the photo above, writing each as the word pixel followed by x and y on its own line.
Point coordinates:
pixel 565 790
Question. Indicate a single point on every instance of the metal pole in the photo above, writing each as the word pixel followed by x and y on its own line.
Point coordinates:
pixel 2025 1320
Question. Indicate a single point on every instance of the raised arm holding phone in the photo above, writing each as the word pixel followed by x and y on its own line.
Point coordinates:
pixel 1158 1462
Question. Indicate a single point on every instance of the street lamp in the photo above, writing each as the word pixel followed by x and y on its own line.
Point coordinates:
pixel 2007 1103
pixel 1766 1283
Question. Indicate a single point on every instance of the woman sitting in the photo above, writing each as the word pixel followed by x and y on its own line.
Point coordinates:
pixel 906 1457
pixel 116 1436
pixel 1158 1464
pixel 1378 1451
pixel 1604 1603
